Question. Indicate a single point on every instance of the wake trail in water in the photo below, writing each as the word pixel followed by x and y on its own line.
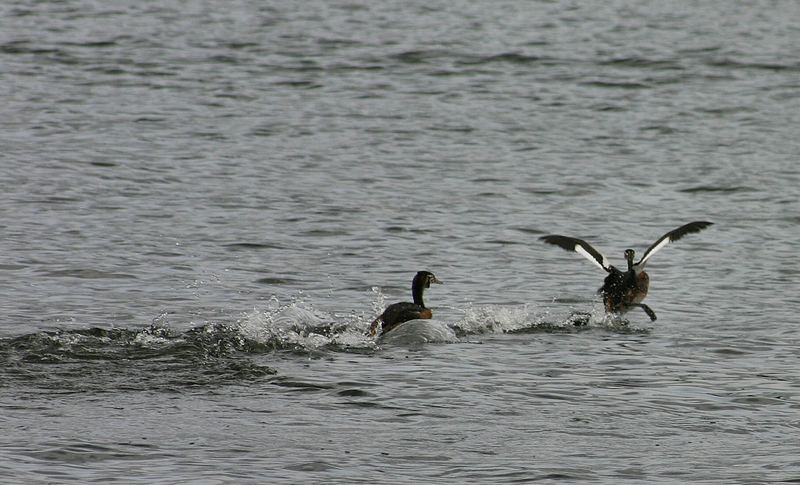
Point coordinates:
pixel 158 356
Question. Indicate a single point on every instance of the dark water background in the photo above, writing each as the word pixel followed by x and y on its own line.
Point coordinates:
pixel 204 206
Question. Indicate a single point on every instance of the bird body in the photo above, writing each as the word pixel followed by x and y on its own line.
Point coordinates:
pixel 397 313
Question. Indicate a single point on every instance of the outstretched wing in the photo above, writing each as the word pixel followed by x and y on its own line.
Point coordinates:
pixel 672 236
pixel 579 246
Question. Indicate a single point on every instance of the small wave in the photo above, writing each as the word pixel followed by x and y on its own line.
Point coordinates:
pixel 642 62
pixel 716 188
pixel 88 273
pixel 765 66
pixel 274 281
pixel 616 84
pixel 254 245
pixel 421 56
pixel 418 56
pixel 509 57
pixel 25 47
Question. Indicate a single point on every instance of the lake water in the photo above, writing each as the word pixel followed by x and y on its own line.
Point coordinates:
pixel 204 206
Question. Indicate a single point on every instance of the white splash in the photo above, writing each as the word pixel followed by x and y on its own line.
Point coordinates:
pixel 298 324
pixel 494 318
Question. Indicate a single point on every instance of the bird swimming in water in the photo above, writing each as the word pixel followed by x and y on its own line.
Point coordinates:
pixel 623 290
pixel 397 313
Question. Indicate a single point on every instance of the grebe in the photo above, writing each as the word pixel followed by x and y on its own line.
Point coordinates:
pixel 398 313
pixel 625 290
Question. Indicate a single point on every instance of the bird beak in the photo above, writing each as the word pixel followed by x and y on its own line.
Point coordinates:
pixel 436 280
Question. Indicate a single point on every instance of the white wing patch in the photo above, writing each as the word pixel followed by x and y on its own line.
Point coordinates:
pixel 586 254
pixel 652 251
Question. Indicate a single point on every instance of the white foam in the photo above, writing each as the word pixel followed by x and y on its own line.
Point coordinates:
pixel 298 324
pixel 494 318
pixel 147 339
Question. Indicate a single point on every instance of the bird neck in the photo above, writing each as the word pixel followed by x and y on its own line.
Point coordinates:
pixel 629 256
pixel 416 292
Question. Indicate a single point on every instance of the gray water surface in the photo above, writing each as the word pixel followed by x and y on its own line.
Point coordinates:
pixel 204 207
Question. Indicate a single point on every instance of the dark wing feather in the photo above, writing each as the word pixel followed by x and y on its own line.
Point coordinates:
pixel 673 236
pixel 579 246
